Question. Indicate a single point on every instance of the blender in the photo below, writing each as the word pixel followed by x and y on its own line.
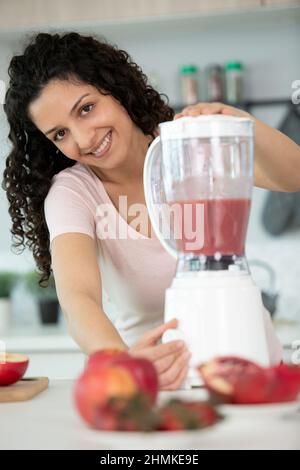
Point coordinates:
pixel 198 179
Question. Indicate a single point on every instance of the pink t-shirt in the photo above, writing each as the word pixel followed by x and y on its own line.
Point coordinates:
pixel 135 269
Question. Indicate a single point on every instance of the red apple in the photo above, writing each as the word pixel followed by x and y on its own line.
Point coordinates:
pixel 144 375
pixel 105 356
pixel 142 370
pixel 97 385
pixel 12 368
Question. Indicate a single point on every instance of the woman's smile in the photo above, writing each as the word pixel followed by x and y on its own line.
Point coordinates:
pixel 104 146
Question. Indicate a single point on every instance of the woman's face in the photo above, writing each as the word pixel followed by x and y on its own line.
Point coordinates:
pixel 85 125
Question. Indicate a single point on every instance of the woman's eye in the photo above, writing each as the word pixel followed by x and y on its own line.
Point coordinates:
pixel 84 110
pixel 87 108
pixel 58 135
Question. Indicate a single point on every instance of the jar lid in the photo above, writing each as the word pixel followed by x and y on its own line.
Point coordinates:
pixel 206 126
pixel 234 65
pixel 185 69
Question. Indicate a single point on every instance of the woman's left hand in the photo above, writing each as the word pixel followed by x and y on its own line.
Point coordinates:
pixel 211 108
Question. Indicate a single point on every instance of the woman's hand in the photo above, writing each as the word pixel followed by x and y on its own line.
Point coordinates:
pixel 211 108
pixel 170 359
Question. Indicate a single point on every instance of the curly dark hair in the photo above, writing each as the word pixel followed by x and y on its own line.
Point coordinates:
pixel 34 159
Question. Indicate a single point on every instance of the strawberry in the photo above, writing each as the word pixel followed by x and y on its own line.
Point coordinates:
pixel 178 415
pixel 127 414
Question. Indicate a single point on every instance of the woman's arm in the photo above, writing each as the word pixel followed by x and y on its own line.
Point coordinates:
pixel 79 290
pixel 277 158
pixel 78 283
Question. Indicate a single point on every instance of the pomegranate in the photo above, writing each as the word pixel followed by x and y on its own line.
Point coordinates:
pixel 237 380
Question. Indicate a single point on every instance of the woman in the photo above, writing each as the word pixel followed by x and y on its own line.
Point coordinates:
pixel 81 117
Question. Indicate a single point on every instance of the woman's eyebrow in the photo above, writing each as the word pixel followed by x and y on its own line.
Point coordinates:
pixel 73 109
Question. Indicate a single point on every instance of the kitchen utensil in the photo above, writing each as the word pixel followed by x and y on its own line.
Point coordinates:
pixel 198 178
pixel 23 390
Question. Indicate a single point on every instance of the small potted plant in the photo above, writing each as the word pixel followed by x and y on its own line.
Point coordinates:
pixel 46 297
pixel 7 282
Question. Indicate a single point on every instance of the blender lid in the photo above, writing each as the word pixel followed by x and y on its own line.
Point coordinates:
pixel 206 126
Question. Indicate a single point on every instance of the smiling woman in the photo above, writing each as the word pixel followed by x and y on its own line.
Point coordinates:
pixel 81 116
pixel 67 96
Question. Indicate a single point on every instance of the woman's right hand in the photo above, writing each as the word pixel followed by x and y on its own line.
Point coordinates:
pixel 170 359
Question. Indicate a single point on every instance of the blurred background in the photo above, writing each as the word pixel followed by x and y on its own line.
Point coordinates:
pixel 245 52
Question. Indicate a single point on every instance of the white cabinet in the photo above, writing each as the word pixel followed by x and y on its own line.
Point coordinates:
pixel 279 3
pixel 31 13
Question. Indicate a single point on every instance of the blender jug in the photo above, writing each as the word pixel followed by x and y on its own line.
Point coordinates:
pixel 198 179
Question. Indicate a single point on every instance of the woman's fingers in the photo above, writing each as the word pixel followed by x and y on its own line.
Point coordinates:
pixel 159 351
pixel 170 359
pixel 210 108
pixel 178 381
pixel 151 337
pixel 164 363
pixel 200 108
pixel 171 376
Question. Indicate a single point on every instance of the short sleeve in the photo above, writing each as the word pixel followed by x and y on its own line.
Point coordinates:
pixel 67 210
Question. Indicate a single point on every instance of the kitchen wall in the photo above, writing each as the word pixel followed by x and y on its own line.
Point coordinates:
pixel 268 43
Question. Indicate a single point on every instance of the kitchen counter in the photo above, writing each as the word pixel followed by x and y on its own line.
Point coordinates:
pixel 38 338
pixel 49 421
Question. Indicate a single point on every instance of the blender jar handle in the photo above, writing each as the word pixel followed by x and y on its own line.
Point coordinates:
pixel 153 190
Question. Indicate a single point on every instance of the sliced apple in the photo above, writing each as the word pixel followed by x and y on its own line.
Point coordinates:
pixel 12 368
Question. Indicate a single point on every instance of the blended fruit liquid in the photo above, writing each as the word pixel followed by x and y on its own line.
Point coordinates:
pixel 207 227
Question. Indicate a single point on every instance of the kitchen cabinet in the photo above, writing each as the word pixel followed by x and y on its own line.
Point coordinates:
pixel 72 13
pixel 280 3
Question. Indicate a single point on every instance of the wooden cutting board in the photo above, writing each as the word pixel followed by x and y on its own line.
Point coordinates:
pixel 23 390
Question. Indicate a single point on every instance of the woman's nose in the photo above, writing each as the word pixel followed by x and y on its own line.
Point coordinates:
pixel 84 141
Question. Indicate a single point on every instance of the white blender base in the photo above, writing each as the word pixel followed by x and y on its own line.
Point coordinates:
pixel 219 314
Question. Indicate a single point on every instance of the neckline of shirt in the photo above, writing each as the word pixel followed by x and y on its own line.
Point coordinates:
pixel 137 234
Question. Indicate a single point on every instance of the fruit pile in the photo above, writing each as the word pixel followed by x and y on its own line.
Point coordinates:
pixel 118 392
pixel 236 380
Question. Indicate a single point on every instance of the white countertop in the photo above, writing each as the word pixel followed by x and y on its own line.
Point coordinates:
pixel 38 338
pixel 50 421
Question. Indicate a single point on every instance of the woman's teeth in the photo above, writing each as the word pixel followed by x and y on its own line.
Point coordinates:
pixel 105 143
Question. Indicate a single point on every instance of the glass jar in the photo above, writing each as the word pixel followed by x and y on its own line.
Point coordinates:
pixel 214 83
pixel 234 82
pixel 189 84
